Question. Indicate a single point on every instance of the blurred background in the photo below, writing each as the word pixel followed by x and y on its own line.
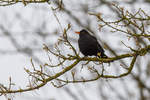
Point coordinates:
pixel 24 30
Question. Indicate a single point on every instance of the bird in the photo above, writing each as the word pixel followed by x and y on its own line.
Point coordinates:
pixel 89 45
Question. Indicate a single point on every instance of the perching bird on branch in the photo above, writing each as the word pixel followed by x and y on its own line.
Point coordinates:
pixel 89 45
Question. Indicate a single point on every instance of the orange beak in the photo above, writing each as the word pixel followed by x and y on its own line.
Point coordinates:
pixel 77 32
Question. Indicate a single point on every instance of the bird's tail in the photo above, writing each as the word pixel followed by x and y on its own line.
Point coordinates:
pixel 104 56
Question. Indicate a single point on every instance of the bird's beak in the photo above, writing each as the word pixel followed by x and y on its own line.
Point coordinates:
pixel 77 32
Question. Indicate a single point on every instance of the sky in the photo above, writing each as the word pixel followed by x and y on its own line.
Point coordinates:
pixel 25 24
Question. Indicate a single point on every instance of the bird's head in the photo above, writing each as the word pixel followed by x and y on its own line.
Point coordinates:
pixel 83 31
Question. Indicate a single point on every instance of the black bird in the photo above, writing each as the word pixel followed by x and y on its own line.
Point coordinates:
pixel 89 45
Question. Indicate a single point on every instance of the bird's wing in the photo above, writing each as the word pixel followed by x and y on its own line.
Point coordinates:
pixel 97 44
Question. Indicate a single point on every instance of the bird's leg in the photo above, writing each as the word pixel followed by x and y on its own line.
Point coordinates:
pixel 99 54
